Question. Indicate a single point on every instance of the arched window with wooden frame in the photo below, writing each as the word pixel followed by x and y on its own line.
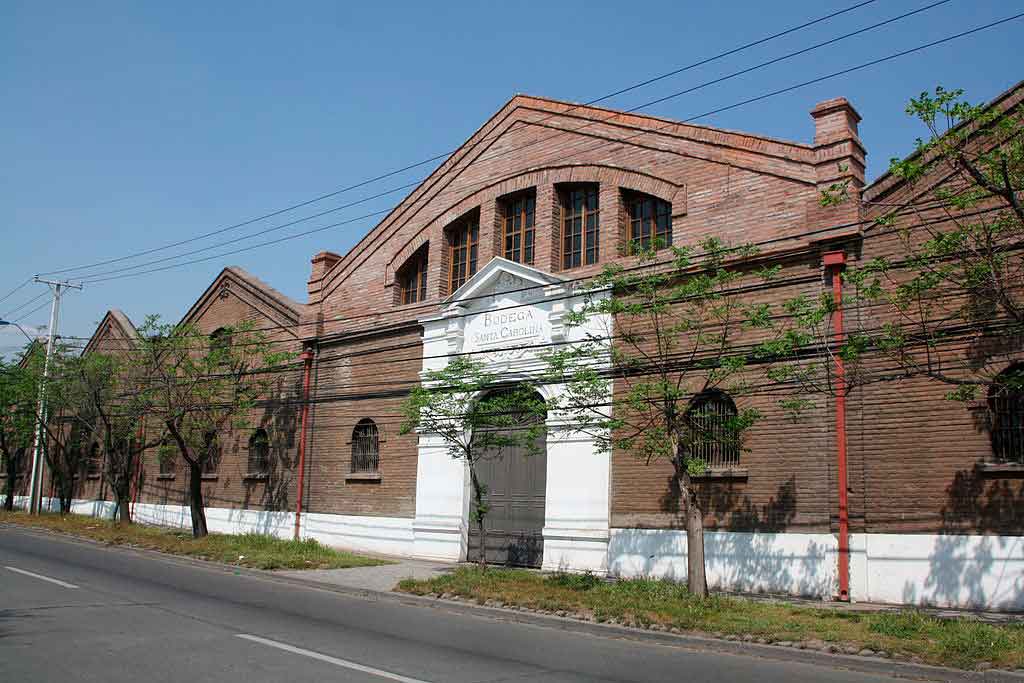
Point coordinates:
pixel 711 426
pixel 463 239
pixel 580 233
pixel 649 221
pixel 259 453
pixel 412 277
pixel 1006 410
pixel 518 215
pixel 365 447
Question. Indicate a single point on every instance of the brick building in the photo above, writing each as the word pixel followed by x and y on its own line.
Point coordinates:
pixel 486 256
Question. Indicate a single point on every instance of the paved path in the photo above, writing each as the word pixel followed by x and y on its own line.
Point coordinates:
pixel 72 611
pixel 379 578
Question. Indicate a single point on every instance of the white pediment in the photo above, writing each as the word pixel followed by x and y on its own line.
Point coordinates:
pixel 503 277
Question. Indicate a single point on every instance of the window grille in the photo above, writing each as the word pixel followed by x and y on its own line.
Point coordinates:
pixel 168 459
pixel 259 452
pixel 580 226
pixel 713 438
pixel 518 219
pixel 462 252
pixel 650 219
pixel 365 447
pixel 412 278
pixel 1006 407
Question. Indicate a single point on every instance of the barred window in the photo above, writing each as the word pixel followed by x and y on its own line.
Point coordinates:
pixel 650 219
pixel 94 461
pixel 580 226
pixel 517 218
pixel 365 447
pixel 1006 406
pixel 710 423
pixel 412 278
pixel 463 239
pixel 259 452
pixel 211 455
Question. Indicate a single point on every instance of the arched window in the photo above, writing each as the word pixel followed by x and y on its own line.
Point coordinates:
pixel 412 277
pixel 259 452
pixel 517 218
pixel 710 422
pixel 220 341
pixel 93 462
pixel 463 243
pixel 649 218
pixel 581 236
pixel 1006 406
pixel 168 456
pixel 211 455
pixel 365 447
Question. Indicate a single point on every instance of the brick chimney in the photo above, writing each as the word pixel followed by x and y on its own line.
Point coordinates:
pixel 322 264
pixel 839 156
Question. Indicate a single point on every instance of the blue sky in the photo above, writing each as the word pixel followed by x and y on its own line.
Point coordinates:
pixel 126 126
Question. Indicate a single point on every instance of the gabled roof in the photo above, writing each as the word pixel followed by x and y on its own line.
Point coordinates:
pixel 239 282
pixel 115 318
pixel 777 156
pixel 887 184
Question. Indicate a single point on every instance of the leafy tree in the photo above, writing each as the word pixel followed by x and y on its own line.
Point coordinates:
pixel 200 387
pixel 677 327
pixel 19 393
pixel 960 276
pixel 478 418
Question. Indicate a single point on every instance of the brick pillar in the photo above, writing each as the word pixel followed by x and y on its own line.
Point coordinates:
pixel 322 263
pixel 546 229
pixel 839 157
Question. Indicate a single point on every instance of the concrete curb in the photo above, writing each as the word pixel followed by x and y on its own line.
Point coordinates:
pixel 870 665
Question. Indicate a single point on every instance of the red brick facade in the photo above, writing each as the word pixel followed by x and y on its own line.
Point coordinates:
pixel 912 453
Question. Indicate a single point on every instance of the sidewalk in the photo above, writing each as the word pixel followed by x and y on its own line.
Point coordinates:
pixel 383 577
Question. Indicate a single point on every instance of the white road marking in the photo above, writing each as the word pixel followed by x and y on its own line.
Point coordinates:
pixel 42 578
pixel 330 660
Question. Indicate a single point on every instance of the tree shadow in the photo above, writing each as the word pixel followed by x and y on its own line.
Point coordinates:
pixel 748 551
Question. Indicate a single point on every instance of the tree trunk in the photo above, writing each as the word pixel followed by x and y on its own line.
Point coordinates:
pixel 123 512
pixel 12 478
pixel 478 516
pixel 696 577
pixel 195 486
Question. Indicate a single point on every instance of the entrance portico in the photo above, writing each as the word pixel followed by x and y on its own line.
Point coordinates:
pixel 508 315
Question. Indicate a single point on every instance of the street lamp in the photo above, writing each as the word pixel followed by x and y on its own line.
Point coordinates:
pixel 8 322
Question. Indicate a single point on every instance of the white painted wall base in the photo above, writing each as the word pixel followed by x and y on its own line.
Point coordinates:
pixel 795 564
pixel 383 535
pixel 979 572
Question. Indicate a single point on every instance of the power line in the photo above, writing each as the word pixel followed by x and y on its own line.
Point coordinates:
pixel 443 155
pixel 102 276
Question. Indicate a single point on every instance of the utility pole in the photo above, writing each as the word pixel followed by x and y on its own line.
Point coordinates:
pixel 35 483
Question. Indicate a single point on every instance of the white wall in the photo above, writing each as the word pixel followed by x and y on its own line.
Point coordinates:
pixel 797 564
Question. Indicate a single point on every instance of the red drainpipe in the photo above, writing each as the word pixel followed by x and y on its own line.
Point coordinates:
pixel 307 358
pixel 835 260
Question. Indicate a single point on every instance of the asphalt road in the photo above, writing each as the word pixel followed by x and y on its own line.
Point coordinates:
pixel 72 611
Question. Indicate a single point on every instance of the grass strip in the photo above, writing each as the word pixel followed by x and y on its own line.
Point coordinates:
pixel 258 551
pixel 964 643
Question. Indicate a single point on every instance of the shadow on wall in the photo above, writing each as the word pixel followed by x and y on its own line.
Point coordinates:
pixel 751 554
pixel 978 560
